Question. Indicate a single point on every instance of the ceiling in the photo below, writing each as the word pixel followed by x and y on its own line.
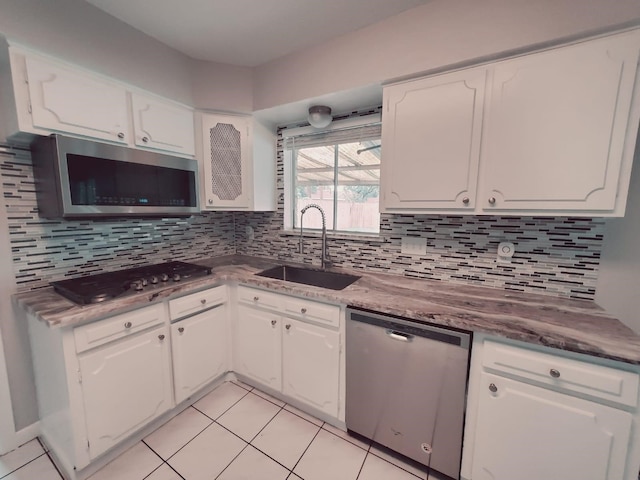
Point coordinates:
pixel 249 32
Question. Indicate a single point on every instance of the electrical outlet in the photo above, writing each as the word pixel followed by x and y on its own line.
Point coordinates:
pixel 413 246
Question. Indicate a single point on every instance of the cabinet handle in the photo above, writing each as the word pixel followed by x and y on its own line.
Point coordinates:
pixel 287 326
pixel 554 373
pixel 180 329
pixel 120 135
pixel 255 299
pixel 128 325
pixel 273 322
pixel 145 139
pixel 303 310
pixel 492 200
pixel 493 388
pixel 203 301
pixel 161 337
pixel 465 200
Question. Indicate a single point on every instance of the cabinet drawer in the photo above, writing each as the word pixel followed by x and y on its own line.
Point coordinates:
pixel 103 331
pixel 197 302
pixel 259 298
pixel 312 311
pixel 561 373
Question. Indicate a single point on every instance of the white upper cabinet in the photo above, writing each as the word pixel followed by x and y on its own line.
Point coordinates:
pixel 431 142
pixel 64 100
pixel 162 125
pixel 238 163
pixel 555 128
pixel 551 133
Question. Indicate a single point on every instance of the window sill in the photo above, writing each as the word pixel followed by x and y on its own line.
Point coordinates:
pixel 353 236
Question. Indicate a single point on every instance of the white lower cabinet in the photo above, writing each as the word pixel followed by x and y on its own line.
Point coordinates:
pixel 310 365
pixel 199 351
pixel 530 433
pixel 288 353
pixel 125 385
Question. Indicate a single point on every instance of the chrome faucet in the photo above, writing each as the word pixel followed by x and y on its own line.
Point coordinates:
pixel 325 261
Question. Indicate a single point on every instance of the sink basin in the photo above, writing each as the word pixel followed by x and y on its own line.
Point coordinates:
pixel 308 276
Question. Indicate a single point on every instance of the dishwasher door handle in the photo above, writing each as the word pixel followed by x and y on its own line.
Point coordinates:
pixel 402 337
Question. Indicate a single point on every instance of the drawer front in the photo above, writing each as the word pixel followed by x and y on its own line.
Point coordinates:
pixel 312 311
pixel 104 331
pixel 259 298
pixel 561 373
pixel 197 302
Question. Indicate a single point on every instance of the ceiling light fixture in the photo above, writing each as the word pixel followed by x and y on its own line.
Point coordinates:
pixel 319 116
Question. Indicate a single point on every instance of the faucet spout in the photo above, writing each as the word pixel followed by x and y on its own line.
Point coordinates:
pixel 325 261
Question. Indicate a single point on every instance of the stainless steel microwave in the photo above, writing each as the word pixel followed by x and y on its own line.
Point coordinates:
pixel 84 179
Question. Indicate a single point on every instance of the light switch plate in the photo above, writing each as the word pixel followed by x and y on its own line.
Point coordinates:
pixel 413 246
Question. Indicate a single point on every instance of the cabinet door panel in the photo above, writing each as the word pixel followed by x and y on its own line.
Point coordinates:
pixel 556 127
pixel 199 346
pixel 431 141
pixel 68 101
pixel 257 346
pixel 529 433
pixel 163 125
pixel 310 365
pixel 227 174
pixel 125 385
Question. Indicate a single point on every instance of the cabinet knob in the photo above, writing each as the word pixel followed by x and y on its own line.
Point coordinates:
pixel 203 301
pixel 161 337
pixel 273 322
pixel 493 388
pixel 492 200
pixel 121 135
pixel 210 202
pixel 287 326
pixel 255 299
pixel 128 325
pixel 180 329
pixel 303 310
pixel 465 200
pixel 145 139
pixel 554 373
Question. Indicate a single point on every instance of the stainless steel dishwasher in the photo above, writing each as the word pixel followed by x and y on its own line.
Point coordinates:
pixel 406 387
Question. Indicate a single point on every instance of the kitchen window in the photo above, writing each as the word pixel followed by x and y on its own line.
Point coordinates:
pixel 338 170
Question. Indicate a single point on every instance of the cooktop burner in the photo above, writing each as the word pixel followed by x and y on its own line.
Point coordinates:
pixel 105 286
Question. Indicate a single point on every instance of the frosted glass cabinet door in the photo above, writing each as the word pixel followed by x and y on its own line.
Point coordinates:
pixel 125 385
pixel 431 135
pixel 227 156
pixel 531 433
pixel 556 125
pixel 163 125
pixel 257 346
pixel 63 100
pixel 199 346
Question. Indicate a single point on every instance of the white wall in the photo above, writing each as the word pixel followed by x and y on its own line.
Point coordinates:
pixel 221 87
pixel 618 289
pixel 430 37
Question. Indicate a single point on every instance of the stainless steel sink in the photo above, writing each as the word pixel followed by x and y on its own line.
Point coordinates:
pixel 308 276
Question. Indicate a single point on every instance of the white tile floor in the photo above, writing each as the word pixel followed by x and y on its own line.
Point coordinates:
pixel 234 433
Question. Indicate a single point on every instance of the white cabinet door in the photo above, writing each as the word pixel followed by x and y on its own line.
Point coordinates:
pixel 555 128
pixel 163 125
pixel 199 347
pixel 68 101
pixel 431 134
pixel 532 433
pixel 125 385
pixel 311 365
pixel 226 161
pixel 257 346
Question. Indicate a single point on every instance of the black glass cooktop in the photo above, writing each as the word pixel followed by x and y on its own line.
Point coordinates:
pixel 105 286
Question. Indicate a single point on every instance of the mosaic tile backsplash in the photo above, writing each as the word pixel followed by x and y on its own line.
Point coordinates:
pixel 45 250
pixel 557 255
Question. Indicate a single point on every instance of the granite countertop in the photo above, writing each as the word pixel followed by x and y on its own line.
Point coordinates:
pixel 573 325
